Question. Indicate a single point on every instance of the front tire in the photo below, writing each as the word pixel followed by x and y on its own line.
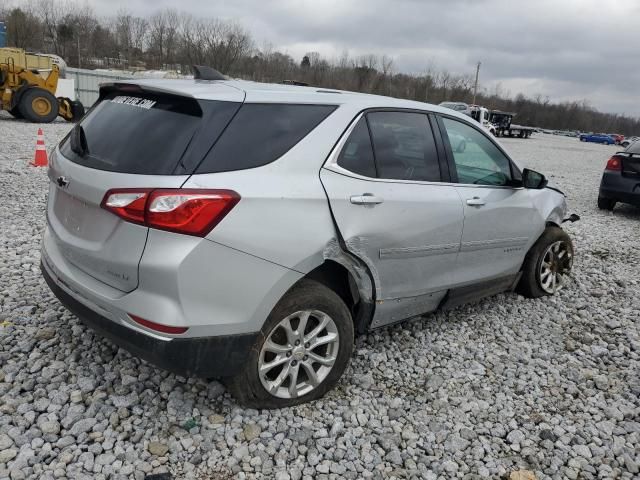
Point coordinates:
pixel 606 203
pixel 38 105
pixel 547 265
pixel 304 347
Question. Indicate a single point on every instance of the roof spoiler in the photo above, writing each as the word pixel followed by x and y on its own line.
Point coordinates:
pixel 124 87
pixel 202 72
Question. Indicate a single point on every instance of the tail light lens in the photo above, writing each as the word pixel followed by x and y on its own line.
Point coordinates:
pixel 187 211
pixel 614 164
pixel 126 203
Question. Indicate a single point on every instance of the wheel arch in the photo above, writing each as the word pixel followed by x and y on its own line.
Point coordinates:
pixel 350 279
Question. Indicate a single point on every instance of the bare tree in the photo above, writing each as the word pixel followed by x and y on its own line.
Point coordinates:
pixel 173 39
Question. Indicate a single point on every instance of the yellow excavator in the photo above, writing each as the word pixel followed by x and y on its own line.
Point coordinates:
pixel 28 83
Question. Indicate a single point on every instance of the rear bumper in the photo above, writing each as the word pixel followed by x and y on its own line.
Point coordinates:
pixel 205 357
pixel 620 188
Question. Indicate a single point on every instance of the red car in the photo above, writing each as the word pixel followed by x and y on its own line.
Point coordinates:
pixel 617 137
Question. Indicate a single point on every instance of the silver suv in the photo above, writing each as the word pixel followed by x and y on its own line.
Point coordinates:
pixel 247 231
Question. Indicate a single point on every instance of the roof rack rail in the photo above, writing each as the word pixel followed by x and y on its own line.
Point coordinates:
pixel 203 72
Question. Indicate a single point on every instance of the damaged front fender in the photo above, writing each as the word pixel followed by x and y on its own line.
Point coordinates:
pixel 551 204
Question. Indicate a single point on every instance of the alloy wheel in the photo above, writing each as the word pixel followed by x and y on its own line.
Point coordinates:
pixel 555 267
pixel 298 354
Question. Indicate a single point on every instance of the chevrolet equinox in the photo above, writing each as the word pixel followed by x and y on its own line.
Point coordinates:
pixel 249 231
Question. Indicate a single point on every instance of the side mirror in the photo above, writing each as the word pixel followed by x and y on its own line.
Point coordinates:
pixel 533 179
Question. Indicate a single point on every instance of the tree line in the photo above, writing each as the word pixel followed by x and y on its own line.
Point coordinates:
pixel 170 39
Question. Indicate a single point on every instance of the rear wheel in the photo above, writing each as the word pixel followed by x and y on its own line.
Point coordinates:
pixel 38 105
pixel 606 203
pixel 305 346
pixel 547 265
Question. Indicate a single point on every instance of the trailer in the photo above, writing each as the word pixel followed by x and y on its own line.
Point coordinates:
pixel 518 131
pixel 504 127
pixel 499 122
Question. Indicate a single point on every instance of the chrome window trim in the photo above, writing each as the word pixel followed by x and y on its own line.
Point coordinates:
pixel 332 164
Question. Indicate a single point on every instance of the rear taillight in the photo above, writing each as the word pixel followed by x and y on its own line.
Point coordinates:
pixel 188 211
pixel 614 164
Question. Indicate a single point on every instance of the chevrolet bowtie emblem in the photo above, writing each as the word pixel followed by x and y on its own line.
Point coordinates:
pixel 62 182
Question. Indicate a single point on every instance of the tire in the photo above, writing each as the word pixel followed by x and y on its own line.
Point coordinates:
pixel 606 203
pixel 15 113
pixel 77 110
pixel 38 106
pixel 308 296
pixel 533 281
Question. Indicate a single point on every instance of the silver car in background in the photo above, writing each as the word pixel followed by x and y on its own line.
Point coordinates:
pixel 461 107
pixel 249 231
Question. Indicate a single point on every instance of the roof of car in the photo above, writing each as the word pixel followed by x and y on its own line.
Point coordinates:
pixel 255 92
pixel 634 147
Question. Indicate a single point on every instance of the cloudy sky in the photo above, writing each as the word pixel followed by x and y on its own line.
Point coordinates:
pixel 565 49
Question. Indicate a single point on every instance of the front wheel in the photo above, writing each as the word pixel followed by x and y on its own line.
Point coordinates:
pixel 548 264
pixel 38 105
pixel 304 348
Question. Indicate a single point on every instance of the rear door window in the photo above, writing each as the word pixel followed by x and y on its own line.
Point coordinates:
pixel 357 153
pixel 404 146
pixel 262 133
pixel 144 133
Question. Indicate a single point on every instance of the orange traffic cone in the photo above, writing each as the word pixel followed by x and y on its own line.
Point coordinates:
pixel 40 159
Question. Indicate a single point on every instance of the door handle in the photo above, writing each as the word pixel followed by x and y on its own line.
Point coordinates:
pixel 475 202
pixel 366 199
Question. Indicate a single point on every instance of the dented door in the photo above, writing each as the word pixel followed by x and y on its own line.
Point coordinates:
pixel 384 184
pixel 409 240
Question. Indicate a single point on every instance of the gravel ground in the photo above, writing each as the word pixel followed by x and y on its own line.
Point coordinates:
pixel 551 386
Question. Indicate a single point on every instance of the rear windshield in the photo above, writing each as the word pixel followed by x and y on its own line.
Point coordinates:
pixel 146 133
pixel 262 133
